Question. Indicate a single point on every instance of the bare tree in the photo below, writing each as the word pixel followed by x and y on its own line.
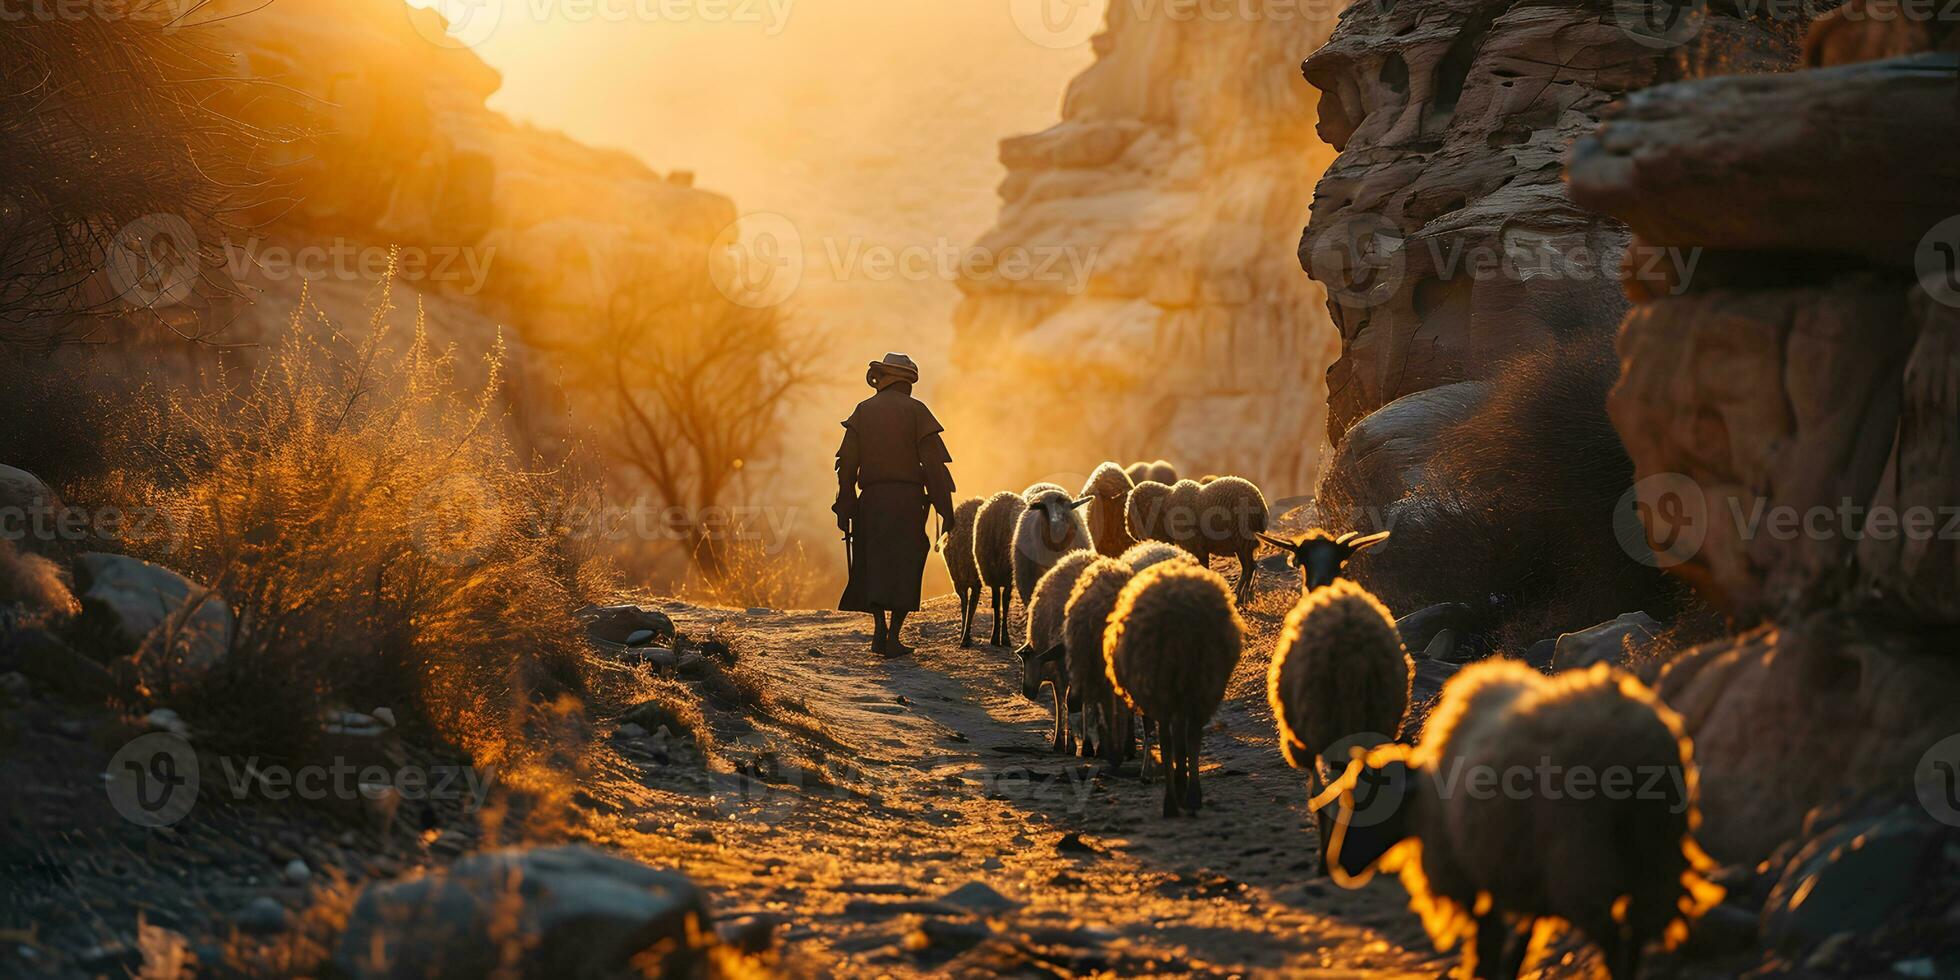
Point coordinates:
pixel 124 164
pixel 700 384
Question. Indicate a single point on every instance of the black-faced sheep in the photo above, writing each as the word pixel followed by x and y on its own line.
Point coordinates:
pixel 1322 557
pixel 1231 516
pixel 956 547
pixel 1042 655
pixel 1568 798
pixel 1109 491
pixel 993 554
pixel 1338 678
pixel 1172 642
pixel 1143 514
pixel 1049 526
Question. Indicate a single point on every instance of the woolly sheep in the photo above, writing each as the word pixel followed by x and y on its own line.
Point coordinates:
pixel 1338 674
pixel 956 547
pixel 1163 472
pixel 1483 867
pixel 1179 524
pixel 1172 642
pixel 1321 557
pixel 993 554
pixel 1143 514
pixel 1137 472
pixel 1050 526
pixel 1231 516
pixel 1042 652
pixel 1106 725
pixel 1109 489
pixel 1037 489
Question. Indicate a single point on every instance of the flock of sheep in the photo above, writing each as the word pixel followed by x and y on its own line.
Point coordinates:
pixel 1128 624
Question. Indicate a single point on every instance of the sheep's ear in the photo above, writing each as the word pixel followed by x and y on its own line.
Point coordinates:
pixel 1357 544
pixel 1073 504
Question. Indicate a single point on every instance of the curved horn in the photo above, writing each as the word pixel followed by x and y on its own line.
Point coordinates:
pixel 1280 543
pixel 1345 538
pixel 1073 504
pixel 1369 541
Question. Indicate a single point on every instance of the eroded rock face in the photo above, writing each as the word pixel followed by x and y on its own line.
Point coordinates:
pixel 1790 409
pixel 1786 719
pixel 1443 230
pixel 1190 335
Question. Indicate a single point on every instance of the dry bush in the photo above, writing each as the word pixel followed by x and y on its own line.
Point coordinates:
pixel 752 573
pixel 379 542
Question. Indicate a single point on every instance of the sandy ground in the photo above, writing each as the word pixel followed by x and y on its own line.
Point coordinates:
pixel 930 831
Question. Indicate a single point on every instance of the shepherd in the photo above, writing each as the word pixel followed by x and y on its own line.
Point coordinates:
pixel 891 473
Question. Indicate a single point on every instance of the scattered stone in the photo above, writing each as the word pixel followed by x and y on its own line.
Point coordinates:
pixel 1850 876
pixel 24 493
pixel 750 934
pixel 1611 642
pixel 45 659
pixel 296 872
pixel 979 897
pixel 639 637
pixel 660 657
pixel 759 610
pixel 354 724
pixel 1072 843
pixel 124 601
pixel 261 915
pixel 1920 967
pixel 575 911
pixel 1419 628
pixel 629 730
pixel 385 716
pixel 15 684
pixel 1539 655
pixel 166 720
pixel 617 624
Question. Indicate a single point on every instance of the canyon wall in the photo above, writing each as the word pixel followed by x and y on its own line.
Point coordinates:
pixel 1793 414
pixel 1477 298
pixel 1170 321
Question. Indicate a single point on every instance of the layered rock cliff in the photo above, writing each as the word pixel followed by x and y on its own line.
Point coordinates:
pixel 1173 183
pixel 1476 298
pixel 1791 412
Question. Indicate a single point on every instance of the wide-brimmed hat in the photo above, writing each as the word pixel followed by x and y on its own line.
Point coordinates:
pixel 896 365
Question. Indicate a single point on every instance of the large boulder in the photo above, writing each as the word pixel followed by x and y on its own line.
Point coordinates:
pixel 1784 719
pixel 130 606
pixel 1852 874
pixel 27 511
pixel 554 912
pixel 1613 642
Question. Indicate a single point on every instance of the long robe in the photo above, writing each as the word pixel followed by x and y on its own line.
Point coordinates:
pixel 891 474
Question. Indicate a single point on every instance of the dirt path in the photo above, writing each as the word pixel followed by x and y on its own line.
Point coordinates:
pixel 930 831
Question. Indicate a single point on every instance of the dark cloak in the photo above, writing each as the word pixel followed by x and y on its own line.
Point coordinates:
pixel 891 474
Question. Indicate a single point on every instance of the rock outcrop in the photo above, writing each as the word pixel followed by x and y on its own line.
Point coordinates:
pixel 1187 334
pixel 1790 409
pixel 1476 299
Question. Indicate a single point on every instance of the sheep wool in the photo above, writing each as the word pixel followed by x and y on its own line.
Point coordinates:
pixel 1042 655
pixel 1173 640
pixel 1144 554
pixel 1086 616
pixel 1109 489
pixel 1622 868
pixel 1144 513
pixel 993 554
pixel 1231 516
pixel 1338 670
pixel 1163 472
pixel 956 547
pixel 1051 525
pixel 1137 472
pixel 1181 519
